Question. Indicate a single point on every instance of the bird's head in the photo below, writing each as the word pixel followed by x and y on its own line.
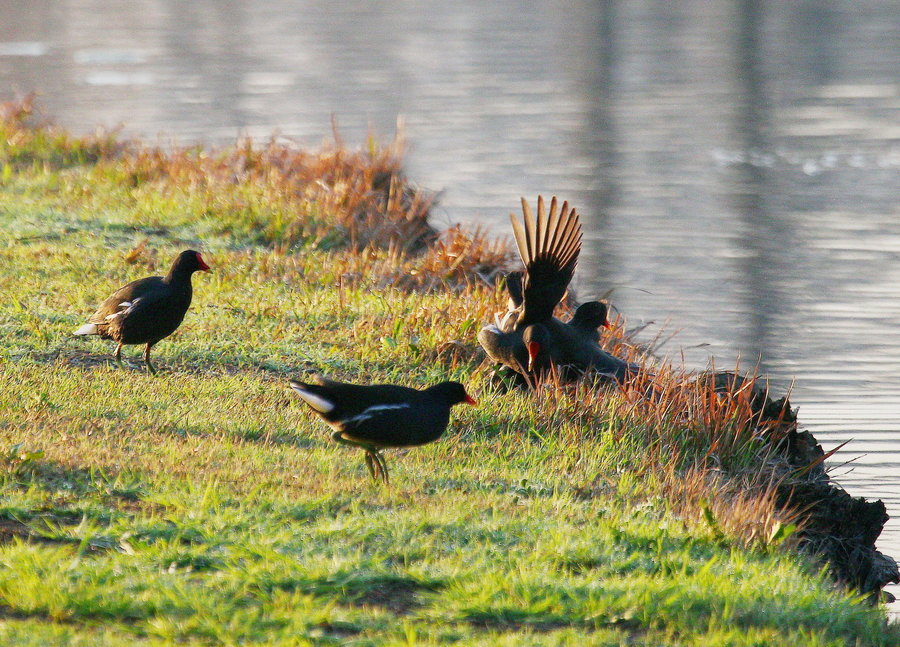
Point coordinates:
pixel 190 261
pixel 452 393
pixel 537 342
pixel 592 314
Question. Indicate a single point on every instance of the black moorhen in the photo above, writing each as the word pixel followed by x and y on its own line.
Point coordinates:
pixel 147 310
pixel 382 415
pixel 549 249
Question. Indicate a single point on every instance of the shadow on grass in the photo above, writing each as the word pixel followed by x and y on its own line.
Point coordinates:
pixel 69 355
pixel 12 529
pixel 517 620
pixel 51 225
pixel 122 612
pixel 10 613
pixel 52 528
pixel 101 494
pixel 396 594
pixel 52 476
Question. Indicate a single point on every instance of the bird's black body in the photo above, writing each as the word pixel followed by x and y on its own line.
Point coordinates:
pixel 149 309
pixel 573 350
pixel 549 248
pixel 382 415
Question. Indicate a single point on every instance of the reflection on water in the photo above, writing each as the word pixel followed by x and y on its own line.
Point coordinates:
pixel 737 163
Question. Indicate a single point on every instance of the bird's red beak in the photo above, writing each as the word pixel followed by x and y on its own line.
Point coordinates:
pixel 533 349
pixel 203 266
pixel 606 324
pixel 470 400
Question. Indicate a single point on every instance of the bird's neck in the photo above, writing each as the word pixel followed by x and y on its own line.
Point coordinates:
pixel 178 275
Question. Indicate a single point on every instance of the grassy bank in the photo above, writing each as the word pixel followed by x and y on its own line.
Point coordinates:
pixel 205 505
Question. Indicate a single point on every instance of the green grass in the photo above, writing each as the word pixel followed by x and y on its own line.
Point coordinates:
pixel 207 506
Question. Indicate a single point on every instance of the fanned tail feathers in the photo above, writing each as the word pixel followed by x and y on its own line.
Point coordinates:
pixel 556 235
pixel 549 247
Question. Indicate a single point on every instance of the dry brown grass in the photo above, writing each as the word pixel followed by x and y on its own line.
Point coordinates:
pixel 363 194
pixel 28 137
pixel 742 508
pixel 281 195
pixel 709 440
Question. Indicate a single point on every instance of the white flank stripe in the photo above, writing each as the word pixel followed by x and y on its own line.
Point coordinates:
pixel 124 308
pixel 371 411
pixel 87 329
pixel 492 328
pixel 317 402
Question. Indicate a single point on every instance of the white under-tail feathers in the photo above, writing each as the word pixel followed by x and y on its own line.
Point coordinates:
pixel 124 308
pixel 87 329
pixel 509 320
pixel 316 401
pixel 503 324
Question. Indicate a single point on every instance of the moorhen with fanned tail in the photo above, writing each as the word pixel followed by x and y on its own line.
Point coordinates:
pixel 147 310
pixel 382 415
pixel 549 248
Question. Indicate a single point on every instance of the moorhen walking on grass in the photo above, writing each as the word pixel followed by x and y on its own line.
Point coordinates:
pixel 549 248
pixel 382 415
pixel 147 310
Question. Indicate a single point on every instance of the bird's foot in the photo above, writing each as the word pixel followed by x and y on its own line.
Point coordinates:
pixel 370 463
pixel 377 465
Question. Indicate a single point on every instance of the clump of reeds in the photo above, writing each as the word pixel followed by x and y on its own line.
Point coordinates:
pixel 741 507
pixel 355 198
pixel 708 441
pixel 28 138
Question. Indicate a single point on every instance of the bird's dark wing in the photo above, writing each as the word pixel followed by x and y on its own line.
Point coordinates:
pixel 124 297
pixel 573 349
pixel 140 312
pixel 606 364
pixel 350 400
pixel 514 282
pixel 398 425
pixel 549 248
pixel 389 425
